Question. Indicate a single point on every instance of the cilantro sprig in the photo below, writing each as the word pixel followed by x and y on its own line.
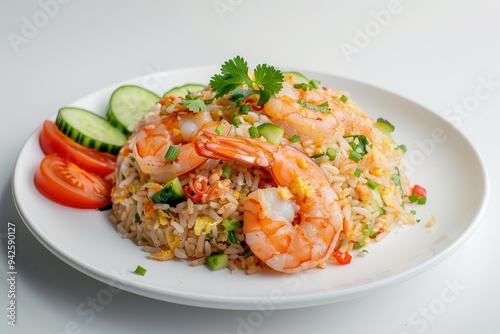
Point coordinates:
pixel 194 104
pixel 235 72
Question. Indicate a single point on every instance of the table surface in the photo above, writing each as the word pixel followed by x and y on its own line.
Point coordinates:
pixel 436 53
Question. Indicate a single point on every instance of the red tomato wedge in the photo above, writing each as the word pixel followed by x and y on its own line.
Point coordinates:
pixel 52 140
pixel 65 183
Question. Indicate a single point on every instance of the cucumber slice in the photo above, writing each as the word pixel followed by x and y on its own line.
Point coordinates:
pixel 184 90
pixel 298 77
pixel 271 132
pixel 90 130
pixel 385 126
pixel 128 104
pixel 171 193
pixel 217 261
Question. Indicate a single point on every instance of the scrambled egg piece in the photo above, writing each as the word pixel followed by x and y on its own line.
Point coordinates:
pixel 299 185
pixel 284 193
pixel 204 224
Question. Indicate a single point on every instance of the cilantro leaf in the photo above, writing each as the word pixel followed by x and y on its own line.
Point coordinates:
pixel 194 104
pixel 239 95
pixel 269 80
pixel 323 107
pixel 234 73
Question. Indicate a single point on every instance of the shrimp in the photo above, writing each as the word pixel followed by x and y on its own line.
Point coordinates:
pixel 293 226
pixel 150 143
pixel 286 111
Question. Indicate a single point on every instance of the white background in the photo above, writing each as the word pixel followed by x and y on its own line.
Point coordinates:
pixel 435 53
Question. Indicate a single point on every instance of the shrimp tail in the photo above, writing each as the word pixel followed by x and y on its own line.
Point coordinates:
pixel 215 146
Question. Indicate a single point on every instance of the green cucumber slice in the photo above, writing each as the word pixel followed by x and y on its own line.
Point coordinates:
pixel 184 90
pixel 217 261
pixel 171 193
pixel 90 130
pixel 298 77
pixel 127 105
pixel 385 126
pixel 271 132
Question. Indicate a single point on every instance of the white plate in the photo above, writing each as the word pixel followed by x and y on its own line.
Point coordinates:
pixel 438 157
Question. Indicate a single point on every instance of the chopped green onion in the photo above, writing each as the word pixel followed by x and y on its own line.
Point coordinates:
pixel 331 153
pixel 402 148
pixel 365 251
pixel 219 129
pixel 244 109
pixel 140 271
pixel 360 244
pixel 372 184
pixel 253 132
pixel 355 156
pixel 172 153
pixel 294 138
pixel 247 252
pixel 315 83
pixel 422 200
pixel 413 198
pixel 418 220
pixel 231 237
pixel 144 239
pixel 357 172
pixel 343 98
pixel 236 120
pixel 413 212
pixel 231 225
pixel 226 172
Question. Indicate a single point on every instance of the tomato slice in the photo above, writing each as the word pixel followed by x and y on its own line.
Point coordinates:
pixel 52 140
pixel 65 183
pixel 419 191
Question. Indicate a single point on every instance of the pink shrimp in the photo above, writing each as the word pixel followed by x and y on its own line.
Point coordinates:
pixel 150 143
pixel 298 119
pixel 294 226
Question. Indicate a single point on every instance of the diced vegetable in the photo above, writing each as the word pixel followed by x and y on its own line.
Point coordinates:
pixel 253 132
pixel 90 130
pixel 294 138
pixel 271 132
pixel 342 257
pixel 244 109
pixel 217 261
pixel 226 172
pixel 171 193
pixel 172 152
pixel 231 225
pixel 355 156
pixel 128 104
pixel 343 98
pixel 140 271
pixel 402 148
pixel 418 194
pixel 331 153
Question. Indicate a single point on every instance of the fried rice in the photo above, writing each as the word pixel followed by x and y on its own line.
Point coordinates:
pixel 194 229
